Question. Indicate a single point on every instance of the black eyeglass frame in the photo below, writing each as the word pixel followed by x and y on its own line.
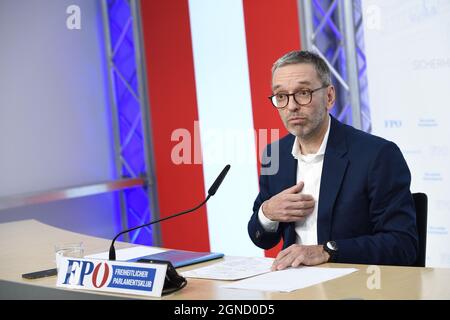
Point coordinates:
pixel 293 95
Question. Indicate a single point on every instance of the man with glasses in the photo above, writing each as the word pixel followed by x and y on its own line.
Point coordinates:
pixel 340 194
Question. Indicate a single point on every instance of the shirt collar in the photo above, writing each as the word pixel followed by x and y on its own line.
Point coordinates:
pixel 296 153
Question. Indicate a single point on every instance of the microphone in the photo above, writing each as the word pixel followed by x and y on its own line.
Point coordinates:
pixel 218 182
pixel 212 191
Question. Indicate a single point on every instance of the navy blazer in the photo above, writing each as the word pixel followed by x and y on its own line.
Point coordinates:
pixel 365 203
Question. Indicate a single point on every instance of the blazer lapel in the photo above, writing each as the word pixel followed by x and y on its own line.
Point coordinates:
pixel 333 171
pixel 288 166
pixel 287 178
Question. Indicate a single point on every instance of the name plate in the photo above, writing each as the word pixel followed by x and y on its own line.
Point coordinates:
pixel 112 276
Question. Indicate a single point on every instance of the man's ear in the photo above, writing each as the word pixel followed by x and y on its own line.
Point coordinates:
pixel 331 97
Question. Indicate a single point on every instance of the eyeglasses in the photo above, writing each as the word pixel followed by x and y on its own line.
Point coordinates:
pixel 301 97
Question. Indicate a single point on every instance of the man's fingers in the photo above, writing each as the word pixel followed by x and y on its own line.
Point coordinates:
pixel 298 197
pixel 298 261
pixel 297 205
pixel 282 264
pixel 282 254
pixel 296 218
pixel 297 255
pixel 289 207
pixel 284 258
pixel 291 215
pixel 294 189
pixel 287 258
pixel 294 215
pixel 278 263
pixel 298 213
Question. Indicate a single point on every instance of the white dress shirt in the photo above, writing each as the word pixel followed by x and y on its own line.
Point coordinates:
pixel 309 170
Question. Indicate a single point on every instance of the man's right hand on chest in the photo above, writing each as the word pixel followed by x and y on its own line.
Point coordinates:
pixel 289 205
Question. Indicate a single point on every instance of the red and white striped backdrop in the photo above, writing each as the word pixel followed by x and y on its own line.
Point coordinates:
pixel 208 70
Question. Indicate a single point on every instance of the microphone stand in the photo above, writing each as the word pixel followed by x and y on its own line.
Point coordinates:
pixel 212 191
pixel 112 250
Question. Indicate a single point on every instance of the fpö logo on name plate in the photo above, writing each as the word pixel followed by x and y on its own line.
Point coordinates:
pixel 112 276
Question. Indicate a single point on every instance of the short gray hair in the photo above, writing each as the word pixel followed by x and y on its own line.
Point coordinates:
pixel 295 57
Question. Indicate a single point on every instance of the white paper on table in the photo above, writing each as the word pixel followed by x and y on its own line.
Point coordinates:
pixel 127 254
pixel 232 269
pixel 290 279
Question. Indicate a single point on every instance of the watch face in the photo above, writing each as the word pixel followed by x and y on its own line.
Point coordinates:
pixel 332 245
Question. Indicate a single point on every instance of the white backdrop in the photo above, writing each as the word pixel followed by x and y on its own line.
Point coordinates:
pixel 407 46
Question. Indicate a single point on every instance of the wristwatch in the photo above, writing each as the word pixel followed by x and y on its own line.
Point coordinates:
pixel 332 249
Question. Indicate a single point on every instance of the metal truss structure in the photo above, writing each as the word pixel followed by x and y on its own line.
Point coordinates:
pixel 130 117
pixel 334 30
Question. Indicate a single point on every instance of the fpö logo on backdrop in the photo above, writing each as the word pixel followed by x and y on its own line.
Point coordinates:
pixel 114 276
pixel 392 123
